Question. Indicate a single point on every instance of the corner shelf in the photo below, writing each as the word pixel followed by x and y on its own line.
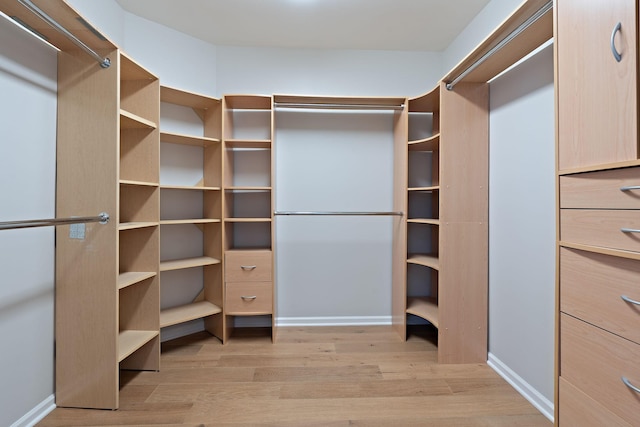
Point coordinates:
pixel 130 340
pixel 189 221
pixel 133 277
pixel 135 225
pixel 129 120
pixel 425 308
pixel 427 260
pixel 427 144
pixel 179 264
pixel 183 139
pixel 185 313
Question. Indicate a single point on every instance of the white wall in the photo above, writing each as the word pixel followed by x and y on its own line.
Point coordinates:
pixel 326 72
pixel 522 224
pixel 105 16
pixel 28 85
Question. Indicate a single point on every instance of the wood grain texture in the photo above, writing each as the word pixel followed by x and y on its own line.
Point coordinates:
pixel 599 227
pixel 601 190
pixel 311 377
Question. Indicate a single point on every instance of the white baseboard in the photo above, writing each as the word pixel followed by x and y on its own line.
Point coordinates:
pixel 36 415
pixel 544 405
pixel 334 321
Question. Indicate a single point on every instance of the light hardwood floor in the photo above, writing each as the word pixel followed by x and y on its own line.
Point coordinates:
pixel 362 376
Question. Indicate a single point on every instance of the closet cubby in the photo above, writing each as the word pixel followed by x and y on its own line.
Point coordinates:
pixel 248 207
pixel 423 207
pixel 191 209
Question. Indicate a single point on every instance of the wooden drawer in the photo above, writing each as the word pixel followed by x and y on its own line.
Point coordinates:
pixel 248 266
pixel 600 228
pixel 591 288
pixel 594 361
pixel 248 298
pixel 578 409
pixel 601 190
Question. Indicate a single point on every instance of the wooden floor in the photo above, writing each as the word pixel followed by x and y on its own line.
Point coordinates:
pixel 348 376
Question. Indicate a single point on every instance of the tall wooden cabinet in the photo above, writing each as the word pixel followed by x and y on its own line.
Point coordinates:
pixel 598 249
pixel 247 124
pixel 107 281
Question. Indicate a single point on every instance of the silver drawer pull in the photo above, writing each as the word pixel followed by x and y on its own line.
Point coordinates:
pixel 248 267
pixel 630 188
pixel 247 298
pixel 617 55
pixel 631 386
pixel 629 300
pixel 630 230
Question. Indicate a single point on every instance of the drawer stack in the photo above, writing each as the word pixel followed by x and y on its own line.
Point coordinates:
pixel 248 283
pixel 599 369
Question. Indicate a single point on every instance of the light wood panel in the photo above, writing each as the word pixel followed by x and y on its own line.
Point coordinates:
pixel 426 260
pixel 248 298
pixel 592 287
pixel 601 190
pixel 133 277
pixel 179 264
pixel 580 410
pixel 424 307
pixel 130 340
pixel 600 228
pixel 185 313
pixel 594 361
pixel 427 144
pixel 86 269
pixel 597 96
pixel 177 138
pixel 244 266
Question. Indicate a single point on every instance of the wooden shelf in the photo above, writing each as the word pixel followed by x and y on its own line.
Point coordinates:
pixel 247 189
pixel 248 102
pixel 423 221
pixel 427 260
pixel 247 219
pixel 179 264
pixel 177 138
pixel 187 99
pixel 139 183
pixel 133 277
pixel 188 221
pixel 185 313
pixel 429 189
pixel 131 70
pixel 189 187
pixel 323 101
pixel 424 307
pixel 132 121
pixel 427 103
pixel 130 341
pixel 133 225
pixel 248 143
pixel 426 144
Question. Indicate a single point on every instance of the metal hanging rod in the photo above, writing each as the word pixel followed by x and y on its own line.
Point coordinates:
pixel 329 213
pixel 102 218
pixel 526 24
pixel 338 106
pixel 104 62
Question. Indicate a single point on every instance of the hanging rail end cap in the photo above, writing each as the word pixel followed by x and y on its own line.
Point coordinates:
pixel 104 217
pixel 106 63
pixel 449 86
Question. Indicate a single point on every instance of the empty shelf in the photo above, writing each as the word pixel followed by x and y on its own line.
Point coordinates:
pixel 130 341
pixel 424 307
pixel 426 260
pixel 185 313
pixel 140 183
pixel 129 120
pixel 188 187
pixel 188 221
pixel 424 221
pixel 134 225
pixel 179 264
pixel 133 277
pixel 177 138
pixel 427 144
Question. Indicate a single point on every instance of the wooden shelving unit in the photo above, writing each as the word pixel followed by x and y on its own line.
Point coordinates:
pixel 197 195
pixel 248 206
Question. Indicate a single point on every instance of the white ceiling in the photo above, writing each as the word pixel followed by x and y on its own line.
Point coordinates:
pixel 421 25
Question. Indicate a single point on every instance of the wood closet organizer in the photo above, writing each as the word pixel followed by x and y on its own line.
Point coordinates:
pixel 598 248
pixel 115 152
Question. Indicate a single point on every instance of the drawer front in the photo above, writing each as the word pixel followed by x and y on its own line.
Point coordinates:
pixel 612 189
pixel 248 266
pixel 578 409
pixel 601 228
pixel 591 288
pixel 248 298
pixel 594 361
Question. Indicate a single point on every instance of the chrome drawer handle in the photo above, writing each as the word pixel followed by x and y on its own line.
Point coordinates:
pixel 248 267
pixel 629 300
pixel 631 386
pixel 630 230
pixel 615 52
pixel 630 187
pixel 247 298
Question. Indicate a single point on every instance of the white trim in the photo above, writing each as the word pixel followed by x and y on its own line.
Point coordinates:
pixel 36 415
pixel 544 405
pixel 334 321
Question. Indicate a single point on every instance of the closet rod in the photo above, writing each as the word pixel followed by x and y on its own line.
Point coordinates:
pixel 526 24
pixel 104 62
pixel 338 106
pixel 338 213
pixel 102 218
